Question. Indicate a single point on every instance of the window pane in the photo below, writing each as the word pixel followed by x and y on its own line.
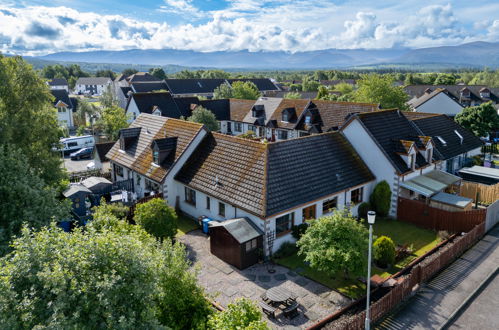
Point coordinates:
pixel 283 224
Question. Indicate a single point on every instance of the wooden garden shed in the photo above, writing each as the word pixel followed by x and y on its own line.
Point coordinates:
pixel 236 241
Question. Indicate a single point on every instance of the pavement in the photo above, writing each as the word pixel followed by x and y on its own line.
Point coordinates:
pixel 225 283
pixel 76 165
pixel 438 301
pixel 482 312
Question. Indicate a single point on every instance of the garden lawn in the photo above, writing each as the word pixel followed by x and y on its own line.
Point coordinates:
pixel 402 233
pixel 349 287
pixel 185 225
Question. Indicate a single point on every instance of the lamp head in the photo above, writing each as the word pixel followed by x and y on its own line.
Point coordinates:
pixel 371 217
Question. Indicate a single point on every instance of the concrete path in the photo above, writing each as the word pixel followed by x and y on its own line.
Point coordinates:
pixel 436 302
pixel 225 283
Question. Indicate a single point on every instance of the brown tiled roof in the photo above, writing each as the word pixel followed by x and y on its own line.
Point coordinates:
pixel 334 114
pixel 406 146
pixel 298 104
pixel 267 179
pixel 240 108
pixel 102 149
pixel 138 157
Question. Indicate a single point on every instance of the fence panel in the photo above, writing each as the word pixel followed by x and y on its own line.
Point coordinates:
pixel 486 193
pixel 423 215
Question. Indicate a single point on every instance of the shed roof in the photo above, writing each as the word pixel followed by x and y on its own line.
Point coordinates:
pixel 94 181
pixel 74 189
pixel 450 199
pixel 430 183
pixel 242 229
pixel 487 172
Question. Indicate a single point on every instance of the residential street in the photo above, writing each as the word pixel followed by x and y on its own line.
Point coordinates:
pixel 434 304
pixel 482 312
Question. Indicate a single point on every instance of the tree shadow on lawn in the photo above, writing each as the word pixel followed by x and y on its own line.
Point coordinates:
pixel 350 287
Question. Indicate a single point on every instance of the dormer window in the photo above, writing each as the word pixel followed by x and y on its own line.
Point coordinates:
pixel 465 92
pixel 485 93
pixel 156 111
pixel 412 161
pixel 155 157
pixel 258 110
pixel 285 116
pixel 308 119
pixel 128 136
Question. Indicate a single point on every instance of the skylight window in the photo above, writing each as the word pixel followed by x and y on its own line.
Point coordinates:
pixel 441 140
pixel 459 135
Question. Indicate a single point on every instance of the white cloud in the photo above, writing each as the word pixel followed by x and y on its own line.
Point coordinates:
pixel 253 25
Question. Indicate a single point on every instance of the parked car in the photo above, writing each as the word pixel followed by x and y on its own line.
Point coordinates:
pixel 82 153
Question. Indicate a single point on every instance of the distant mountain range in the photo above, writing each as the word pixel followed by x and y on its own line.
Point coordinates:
pixel 475 54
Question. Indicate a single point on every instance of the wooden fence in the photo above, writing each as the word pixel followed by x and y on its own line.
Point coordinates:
pixel 486 193
pixel 423 215
pixel 404 287
pixel 80 176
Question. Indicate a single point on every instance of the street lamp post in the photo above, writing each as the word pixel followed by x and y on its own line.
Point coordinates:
pixel 371 217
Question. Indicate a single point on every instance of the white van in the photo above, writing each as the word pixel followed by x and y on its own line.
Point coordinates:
pixel 76 143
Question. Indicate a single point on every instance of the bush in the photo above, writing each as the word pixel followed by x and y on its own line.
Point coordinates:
pixel 157 218
pixel 363 209
pixel 287 249
pixel 299 230
pixel 384 251
pixel 381 198
pixel 242 314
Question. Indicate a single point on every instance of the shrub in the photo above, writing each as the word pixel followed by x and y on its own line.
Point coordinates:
pixel 299 230
pixel 384 251
pixel 242 314
pixel 287 249
pixel 381 198
pixel 157 218
pixel 363 209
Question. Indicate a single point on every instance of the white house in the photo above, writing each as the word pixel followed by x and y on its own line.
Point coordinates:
pixel 58 83
pixel 437 101
pixel 156 103
pixel 92 85
pixel 64 107
pixel 405 153
pixel 276 185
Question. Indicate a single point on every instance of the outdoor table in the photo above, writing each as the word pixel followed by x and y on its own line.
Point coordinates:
pixel 279 295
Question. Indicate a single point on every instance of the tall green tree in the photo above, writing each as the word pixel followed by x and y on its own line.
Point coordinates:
pixel 204 116
pixel 24 197
pixel 480 120
pixel 158 73
pixel 380 89
pixel 336 243
pixel 292 95
pixel 323 93
pixel 245 90
pixel 224 91
pixel 343 88
pixel 310 85
pixel 380 199
pixel 107 99
pixel 157 218
pixel 106 73
pixel 28 119
pixel 445 79
pixel 118 278
pixel 112 120
pixel 85 110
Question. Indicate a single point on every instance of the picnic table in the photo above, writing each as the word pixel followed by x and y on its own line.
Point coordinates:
pixel 278 295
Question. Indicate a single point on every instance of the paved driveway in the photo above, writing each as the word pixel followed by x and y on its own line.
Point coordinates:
pixel 226 283
pixel 76 165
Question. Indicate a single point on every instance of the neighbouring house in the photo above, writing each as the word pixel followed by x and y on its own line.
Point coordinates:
pixel 123 93
pixel 58 83
pixel 281 119
pixel 92 85
pixel 224 177
pixel 466 95
pixel 151 151
pixel 64 107
pixel 159 104
pixel 237 242
pixel 437 101
pixel 101 161
pixel 275 185
pixel 480 174
pixel 454 145
pixel 206 87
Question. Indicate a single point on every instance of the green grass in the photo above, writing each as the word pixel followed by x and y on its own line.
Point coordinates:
pixel 349 287
pixel 185 225
pixel 402 233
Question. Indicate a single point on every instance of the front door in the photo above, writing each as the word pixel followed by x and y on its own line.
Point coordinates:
pixel 309 213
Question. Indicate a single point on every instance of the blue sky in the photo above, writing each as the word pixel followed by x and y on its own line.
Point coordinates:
pixel 34 27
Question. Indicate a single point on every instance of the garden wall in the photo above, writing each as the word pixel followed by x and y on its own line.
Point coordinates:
pixel 420 214
pixel 422 272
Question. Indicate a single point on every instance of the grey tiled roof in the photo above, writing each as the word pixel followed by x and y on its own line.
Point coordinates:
pixel 266 179
pixel 445 127
pixel 163 100
pixel 93 81
pixel 61 95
